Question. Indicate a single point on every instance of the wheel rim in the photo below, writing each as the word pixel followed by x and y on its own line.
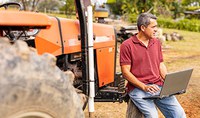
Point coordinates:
pixel 32 115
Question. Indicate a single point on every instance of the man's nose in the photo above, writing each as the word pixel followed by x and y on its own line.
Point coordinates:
pixel 155 29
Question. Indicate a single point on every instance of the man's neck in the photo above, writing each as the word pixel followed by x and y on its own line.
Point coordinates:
pixel 141 37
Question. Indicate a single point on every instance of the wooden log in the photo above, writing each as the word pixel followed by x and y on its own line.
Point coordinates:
pixel 132 111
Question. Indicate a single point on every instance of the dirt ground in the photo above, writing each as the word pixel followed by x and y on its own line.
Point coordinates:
pixel 177 57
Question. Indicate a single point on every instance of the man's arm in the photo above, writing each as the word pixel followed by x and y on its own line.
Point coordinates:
pixel 163 70
pixel 133 80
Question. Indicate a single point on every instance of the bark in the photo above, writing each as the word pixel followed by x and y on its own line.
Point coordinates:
pixel 133 111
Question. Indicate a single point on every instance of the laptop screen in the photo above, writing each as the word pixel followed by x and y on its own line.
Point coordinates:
pixel 176 82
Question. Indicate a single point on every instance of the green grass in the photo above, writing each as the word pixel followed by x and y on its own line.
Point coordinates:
pixel 62 15
pixel 189 46
pixel 183 54
pixel 58 15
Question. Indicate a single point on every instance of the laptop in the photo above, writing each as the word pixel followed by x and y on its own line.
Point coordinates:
pixel 175 83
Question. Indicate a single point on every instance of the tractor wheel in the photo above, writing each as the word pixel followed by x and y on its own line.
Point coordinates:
pixel 32 86
pixel 133 111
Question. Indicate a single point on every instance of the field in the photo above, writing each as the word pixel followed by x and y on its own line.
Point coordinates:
pixel 177 56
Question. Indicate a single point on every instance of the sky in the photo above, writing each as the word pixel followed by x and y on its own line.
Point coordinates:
pixel 2 1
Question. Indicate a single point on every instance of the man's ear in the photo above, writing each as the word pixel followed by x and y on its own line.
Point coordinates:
pixel 143 28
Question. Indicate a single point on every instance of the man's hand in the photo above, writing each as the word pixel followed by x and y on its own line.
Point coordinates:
pixel 151 88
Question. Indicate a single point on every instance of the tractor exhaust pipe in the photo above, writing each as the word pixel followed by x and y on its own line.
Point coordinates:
pixel 87 53
pixel 84 45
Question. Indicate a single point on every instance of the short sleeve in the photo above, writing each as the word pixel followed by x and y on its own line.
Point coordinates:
pixel 125 55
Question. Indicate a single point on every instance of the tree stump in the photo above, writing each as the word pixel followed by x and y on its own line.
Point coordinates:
pixel 132 111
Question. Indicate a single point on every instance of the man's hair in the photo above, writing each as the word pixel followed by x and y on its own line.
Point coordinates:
pixel 144 19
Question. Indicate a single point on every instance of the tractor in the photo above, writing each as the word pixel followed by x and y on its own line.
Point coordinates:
pixel 66 39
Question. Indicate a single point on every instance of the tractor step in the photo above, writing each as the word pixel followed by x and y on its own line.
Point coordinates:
pixel 113 92
pixel 108 94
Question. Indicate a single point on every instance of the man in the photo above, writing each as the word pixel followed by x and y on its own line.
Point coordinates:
pixel 142 65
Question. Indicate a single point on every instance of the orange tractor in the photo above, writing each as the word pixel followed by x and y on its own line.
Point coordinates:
pixel 67 40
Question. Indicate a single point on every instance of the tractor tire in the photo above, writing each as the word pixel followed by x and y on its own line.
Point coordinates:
pixel 32 86
pixel 132 111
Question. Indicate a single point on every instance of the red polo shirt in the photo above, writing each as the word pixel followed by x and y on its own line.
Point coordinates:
pixel 144 61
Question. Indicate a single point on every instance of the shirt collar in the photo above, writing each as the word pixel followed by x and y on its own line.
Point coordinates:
pixel 136 40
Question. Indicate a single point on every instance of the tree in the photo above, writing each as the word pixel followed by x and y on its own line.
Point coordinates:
pixel 139 6
pixel 187 2
pixel 28 5
pixel 48 5
pixel 130 6
pixel 69 7
pixel 116 8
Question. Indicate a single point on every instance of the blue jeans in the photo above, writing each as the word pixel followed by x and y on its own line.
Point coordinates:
pixel 169 106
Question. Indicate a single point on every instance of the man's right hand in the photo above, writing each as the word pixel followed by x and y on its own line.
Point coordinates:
pixel 151 88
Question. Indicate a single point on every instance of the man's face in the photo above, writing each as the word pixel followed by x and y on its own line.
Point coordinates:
pixel 151 29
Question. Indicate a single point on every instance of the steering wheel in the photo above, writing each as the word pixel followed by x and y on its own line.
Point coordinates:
pixel 16 34
pixel 6 5
pixel 24 34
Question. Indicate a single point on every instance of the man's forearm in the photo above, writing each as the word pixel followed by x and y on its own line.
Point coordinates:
pixel 163 70
pixel 132 79
pixel 135 82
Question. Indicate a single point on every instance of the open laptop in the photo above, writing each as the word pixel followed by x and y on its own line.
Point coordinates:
pixel 174 83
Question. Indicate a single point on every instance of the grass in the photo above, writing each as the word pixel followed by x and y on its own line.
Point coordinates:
pixel 190 44
pixel 62 15
pixel 57 15
pixel 183 54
